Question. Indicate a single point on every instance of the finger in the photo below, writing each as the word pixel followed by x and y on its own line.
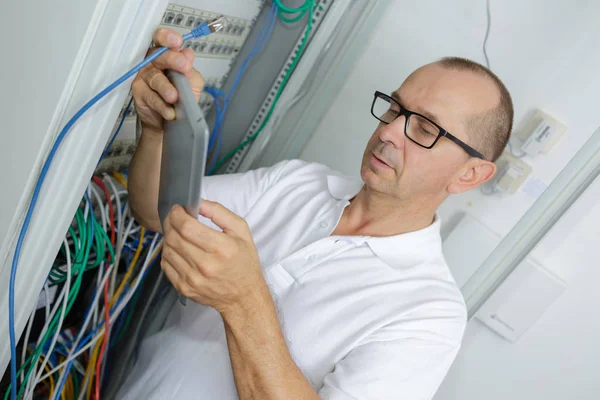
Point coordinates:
pixel 158 82
pixel 193 231
pixel 181 252
pixel 224 218
pixel 149 98
pixel 181 264
pixel 189 54
pixel 174 60
pixel 196 82
pixel 167 37
pixel 171 273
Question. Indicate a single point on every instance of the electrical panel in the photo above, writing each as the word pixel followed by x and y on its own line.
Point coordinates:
pixel 214 57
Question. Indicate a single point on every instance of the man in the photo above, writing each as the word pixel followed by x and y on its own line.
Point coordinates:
pixel 306 284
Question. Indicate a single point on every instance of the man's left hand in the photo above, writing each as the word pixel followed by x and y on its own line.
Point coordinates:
pixel 218 269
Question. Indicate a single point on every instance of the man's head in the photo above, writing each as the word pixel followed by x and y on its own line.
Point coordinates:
pixel 465 99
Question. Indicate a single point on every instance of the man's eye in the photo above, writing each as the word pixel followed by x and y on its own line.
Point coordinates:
pixel 394 108
pixel 427 132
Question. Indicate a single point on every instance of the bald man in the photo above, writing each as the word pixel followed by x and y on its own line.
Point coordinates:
pixel 307 284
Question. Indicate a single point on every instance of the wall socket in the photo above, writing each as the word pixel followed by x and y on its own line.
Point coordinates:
pixel 511 174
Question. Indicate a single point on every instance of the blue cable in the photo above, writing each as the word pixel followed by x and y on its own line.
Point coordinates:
pixel 201 30
pixel 114 136
pixel 214 92
pixel 258 45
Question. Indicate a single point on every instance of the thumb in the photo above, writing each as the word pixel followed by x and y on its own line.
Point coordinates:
pixel 224 218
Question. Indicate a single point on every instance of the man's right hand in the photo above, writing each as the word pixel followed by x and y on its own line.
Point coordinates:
pixel 153 93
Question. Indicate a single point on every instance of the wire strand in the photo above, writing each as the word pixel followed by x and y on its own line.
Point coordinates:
pixel 487 33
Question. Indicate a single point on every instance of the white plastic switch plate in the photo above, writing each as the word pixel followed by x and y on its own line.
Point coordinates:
pixel 540 133
pixel 521 299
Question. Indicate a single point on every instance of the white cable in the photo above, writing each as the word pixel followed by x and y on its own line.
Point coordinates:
pixel 113 199
pixel 72 355
pixel 120 224
pixel 43 332
pixel 47 305
pixel 60 323
pixel 26 341
pixel 120 244
pixel 110 180
pixel 82 393
pixel 114 316
pixel 103 214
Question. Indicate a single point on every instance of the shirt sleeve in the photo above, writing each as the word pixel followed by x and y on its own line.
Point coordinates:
pixel 410 367
pixel 239 192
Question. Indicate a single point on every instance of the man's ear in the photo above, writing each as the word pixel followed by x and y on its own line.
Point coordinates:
pixel 475 172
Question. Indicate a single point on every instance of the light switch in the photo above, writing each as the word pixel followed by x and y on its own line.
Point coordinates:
pixel 520 300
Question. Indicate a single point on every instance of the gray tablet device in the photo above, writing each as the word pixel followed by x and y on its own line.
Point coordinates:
pixel 184 152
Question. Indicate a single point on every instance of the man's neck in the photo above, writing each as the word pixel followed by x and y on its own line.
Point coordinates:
pixel 374 214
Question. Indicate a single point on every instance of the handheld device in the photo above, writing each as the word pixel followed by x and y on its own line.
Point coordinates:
pixel 184 152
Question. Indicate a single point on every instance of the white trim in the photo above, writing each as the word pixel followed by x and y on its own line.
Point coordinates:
pixel 572 181
pixel 117 38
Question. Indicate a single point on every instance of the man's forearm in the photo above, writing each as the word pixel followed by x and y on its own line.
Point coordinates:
pixel 144 177
pixel 262 365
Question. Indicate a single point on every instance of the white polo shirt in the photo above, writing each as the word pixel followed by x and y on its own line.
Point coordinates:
pixel 364 317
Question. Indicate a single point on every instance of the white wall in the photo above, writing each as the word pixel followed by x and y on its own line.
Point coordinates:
pixel 541 49
pixel 546 53
pixel 558 357
pixel 38 56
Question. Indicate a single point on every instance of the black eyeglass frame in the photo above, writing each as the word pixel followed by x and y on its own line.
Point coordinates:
pixel 407 113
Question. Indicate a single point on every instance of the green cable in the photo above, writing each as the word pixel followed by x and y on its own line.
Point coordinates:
pixel 76 383
pixel 101 244
pixel 52 326
pixel 281 87
pixel 307 4
pixel 290 20
pixel 129 315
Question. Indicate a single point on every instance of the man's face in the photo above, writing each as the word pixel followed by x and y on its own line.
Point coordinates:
pixel 394 165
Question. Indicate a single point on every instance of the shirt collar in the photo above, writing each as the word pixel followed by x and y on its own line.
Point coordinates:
pixel 409 249
pixel 342 187
pixel 402 250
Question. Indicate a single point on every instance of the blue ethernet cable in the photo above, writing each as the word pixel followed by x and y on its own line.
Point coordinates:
pixel 114 136
pixel 260 41
pixel 203 29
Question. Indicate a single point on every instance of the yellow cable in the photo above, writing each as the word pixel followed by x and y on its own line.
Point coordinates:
pixel 120 178
pixel 47 369
pixel 89 371
pixel 138 251
pixel 70 388
pixel 64 392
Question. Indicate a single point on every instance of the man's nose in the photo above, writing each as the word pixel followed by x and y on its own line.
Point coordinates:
pixel 393 133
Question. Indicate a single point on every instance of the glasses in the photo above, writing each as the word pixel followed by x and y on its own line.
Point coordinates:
pixel 417 128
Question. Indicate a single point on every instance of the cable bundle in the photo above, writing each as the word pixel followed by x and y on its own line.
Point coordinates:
pixel 264 34
pixel 68 361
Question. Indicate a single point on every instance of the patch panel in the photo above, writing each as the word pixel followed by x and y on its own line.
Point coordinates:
pixel 225 44
pixel 214 57
pixel 118 156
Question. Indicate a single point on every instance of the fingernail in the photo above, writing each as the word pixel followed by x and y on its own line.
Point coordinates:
pixel 182 62
pixel 173 39
pixel 171 94
pixel 169 113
